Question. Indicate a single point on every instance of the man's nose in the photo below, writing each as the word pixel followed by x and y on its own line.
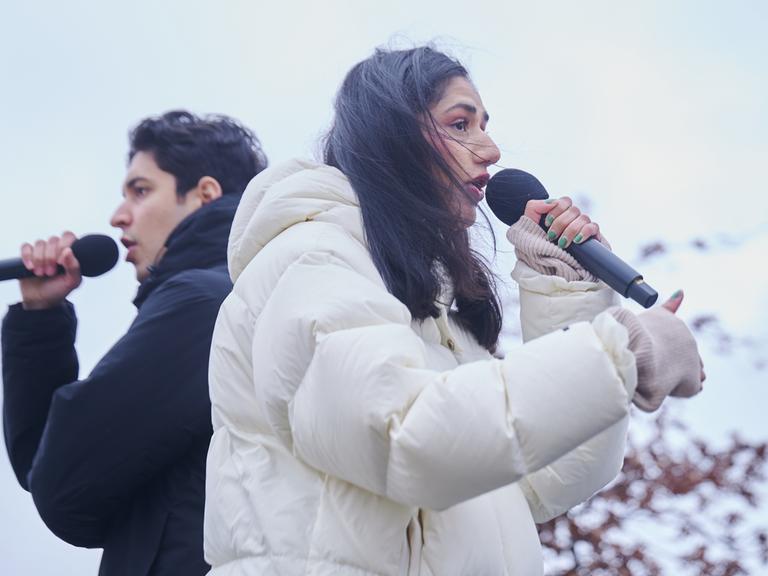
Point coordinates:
pixel 121 217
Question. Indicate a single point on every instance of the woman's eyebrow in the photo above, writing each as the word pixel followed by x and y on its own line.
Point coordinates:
pixel 471 108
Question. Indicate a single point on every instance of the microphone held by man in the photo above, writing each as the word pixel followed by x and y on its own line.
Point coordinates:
pixel 94 254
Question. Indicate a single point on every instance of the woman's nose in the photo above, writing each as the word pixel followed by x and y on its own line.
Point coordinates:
pixel 487 151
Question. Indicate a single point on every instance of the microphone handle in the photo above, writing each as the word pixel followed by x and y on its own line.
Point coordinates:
pixel 13 268
pixel 612 270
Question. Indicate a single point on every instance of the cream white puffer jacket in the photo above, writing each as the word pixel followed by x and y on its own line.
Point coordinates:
pixel 350 440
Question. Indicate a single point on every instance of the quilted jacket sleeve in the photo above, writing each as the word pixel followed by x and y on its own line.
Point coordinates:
pixel 94 442
pixel 39 356
pixel 550 303
pixel 344 381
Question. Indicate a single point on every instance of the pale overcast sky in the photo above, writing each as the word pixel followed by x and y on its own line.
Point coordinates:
pixel 654 111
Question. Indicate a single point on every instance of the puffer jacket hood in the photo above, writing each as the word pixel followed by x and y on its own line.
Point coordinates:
pixel 351 440
pixel 293 192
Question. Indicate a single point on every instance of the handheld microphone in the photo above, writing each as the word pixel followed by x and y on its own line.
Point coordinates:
pixel 96 253
pixel 507 194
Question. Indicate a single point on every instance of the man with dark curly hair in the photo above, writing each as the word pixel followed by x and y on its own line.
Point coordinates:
pixel 117 460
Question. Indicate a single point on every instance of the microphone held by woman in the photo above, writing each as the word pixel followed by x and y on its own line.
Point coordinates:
pixel 507 194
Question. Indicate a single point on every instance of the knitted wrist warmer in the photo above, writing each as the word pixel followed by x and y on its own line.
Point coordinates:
pixel 534 248
pixel 665 352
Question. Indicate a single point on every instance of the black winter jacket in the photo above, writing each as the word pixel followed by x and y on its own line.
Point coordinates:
pixel 117 460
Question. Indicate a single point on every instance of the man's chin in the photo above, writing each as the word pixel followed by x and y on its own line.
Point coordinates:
pixel 141 273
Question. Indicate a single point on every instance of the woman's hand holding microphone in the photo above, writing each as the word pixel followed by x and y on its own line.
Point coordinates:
pixel 564 221
pixel 668 362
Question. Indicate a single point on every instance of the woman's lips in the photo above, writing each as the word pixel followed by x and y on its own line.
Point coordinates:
pixel 475 187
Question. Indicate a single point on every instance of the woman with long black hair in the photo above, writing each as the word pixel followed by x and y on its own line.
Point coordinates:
pixel 362 423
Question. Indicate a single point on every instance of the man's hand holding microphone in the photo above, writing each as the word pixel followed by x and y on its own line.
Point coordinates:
pixel 49 270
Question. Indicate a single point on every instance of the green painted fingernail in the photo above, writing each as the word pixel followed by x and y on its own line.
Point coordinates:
pixel 676 295
pixel 562 242
pixel 578 238
pixel 549 200
pixel 551 235
pixel 548 220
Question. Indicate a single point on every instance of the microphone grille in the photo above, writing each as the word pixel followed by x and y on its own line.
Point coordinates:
pixel 508 192
pixel 97 254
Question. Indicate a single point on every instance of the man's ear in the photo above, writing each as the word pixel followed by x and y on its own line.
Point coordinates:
pixel 208 189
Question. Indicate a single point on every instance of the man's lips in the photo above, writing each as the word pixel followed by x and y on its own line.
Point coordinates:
pixel 130 246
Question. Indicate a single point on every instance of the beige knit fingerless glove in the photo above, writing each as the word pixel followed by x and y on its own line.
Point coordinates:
pixel 666 355
pixel 534 248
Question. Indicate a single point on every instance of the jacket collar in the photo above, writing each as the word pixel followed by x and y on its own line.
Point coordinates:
pixel 199 241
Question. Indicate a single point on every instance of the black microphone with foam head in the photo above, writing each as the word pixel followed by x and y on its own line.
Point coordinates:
pixel 510 190
pixel 96 253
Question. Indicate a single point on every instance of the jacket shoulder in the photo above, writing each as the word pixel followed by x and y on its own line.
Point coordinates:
pixel 211 283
